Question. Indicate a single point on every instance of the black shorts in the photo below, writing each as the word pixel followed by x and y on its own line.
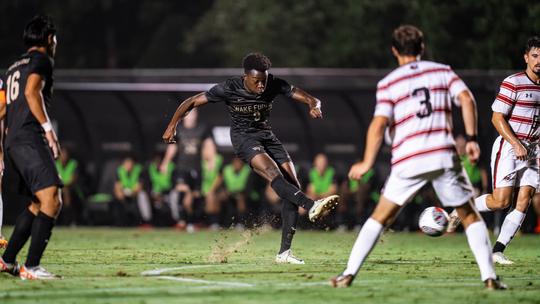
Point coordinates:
pixel 29 167
pixel 190 177
pixel 247 145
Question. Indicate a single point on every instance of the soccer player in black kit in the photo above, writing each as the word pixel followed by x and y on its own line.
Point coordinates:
pixel 249 101
pixel 30 146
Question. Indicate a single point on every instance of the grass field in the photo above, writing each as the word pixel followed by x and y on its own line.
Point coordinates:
pixel 107 266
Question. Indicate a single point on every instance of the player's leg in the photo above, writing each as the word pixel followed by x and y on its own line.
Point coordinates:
pixel 512 223
pixel 478 239
pixel 397 192
pixel 383 215
pixel 20 235
pixel 289 212
pixel 501 198
pixel 455 190
pixel 50 204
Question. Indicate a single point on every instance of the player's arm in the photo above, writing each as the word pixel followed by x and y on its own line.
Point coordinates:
pixel 375 136
pixel 36 103
pixel 313 103
pixel 500 123
pixel 470 120
pixel 182 110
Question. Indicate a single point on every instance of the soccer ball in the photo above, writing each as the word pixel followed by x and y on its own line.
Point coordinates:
pixel 433 221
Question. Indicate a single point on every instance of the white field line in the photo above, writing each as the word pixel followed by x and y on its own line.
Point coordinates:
pixel 188 280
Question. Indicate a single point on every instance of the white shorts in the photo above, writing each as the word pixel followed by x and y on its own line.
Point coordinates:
pixel 507 171
pixel 451 185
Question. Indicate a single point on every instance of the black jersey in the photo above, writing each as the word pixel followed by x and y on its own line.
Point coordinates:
pixel 249 112
pixel 20 122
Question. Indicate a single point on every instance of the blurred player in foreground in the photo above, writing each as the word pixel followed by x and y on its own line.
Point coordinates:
pixel 415 101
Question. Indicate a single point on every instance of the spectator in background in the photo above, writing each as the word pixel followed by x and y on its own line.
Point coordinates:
pixel 132 204
pixel 477 174
pixel 161 184
pixel 212 164
pixel 189 137
pixel 359 197
pixel 322 179
pixel 235 177
pixel 71 194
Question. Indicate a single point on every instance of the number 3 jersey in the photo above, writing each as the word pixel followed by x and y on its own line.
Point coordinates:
pixel 417 99
pixel 249 112
pixel 21 124
pixel 519 101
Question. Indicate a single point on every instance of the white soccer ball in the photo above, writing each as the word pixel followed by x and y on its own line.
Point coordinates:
pixel 433 221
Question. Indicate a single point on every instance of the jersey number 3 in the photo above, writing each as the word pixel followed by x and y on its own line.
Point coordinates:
pixel 13 87
pixel 426 108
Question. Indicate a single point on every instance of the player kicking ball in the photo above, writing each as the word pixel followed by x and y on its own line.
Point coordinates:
pixel 30 147
pixel 515 153
pixel 415 102
pixel 249 101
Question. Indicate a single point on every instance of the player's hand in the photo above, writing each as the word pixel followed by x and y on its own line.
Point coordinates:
pixel 53 143
pixel 358 170
pixel 315 112
pixel 519 151
pixel 163 167
pixel 473 151
pixel 169 136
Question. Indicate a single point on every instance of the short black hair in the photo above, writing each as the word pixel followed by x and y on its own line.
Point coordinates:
pixel 37 31
pixel 533 42
pixel 256 61
pixel 408 40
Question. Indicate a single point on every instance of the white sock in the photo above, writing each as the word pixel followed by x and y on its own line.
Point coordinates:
pixel 481 204
pixel 510 226
pixel 143 202
pixel 367 238
pixel 174 197
pixel 477 236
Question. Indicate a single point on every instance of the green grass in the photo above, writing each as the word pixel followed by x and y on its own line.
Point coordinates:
pixel 105 265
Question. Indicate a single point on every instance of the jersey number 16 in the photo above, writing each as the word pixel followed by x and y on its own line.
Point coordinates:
pixel 13 86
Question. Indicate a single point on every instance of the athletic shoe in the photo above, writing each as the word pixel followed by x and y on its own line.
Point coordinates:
pixel 342 281
pixel 3 242
pixel 495 284
pixel 453 221
pixel 500 258
pixel 321 207
pixel 12 269
pixel 37 273
pixel 286 257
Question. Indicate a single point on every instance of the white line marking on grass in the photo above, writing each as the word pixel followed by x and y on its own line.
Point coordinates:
pixel 156 272
pixel 188 280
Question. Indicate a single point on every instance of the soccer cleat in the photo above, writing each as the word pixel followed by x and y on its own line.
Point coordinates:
pixel 3 242
pixel 286 257
pixel 453 221
pixel 495 284
pixel 321 207
pixel 501 259
pixel 342 281
pixel 12 269
pixel 37 273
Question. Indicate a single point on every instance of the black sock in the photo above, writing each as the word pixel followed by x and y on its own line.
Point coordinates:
pixel 21 233
pixel 289 218
pixel 213 218
pixel 499 247
pixel 41 233
pixel 289 192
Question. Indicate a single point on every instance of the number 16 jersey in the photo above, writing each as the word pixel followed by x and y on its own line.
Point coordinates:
pixel 417 99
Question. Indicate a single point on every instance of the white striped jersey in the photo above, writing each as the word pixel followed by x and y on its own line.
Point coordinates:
pixel 519 101
pixel 417 99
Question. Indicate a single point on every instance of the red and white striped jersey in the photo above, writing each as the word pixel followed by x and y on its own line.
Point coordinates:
pixel 417 99
pixel 519 101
